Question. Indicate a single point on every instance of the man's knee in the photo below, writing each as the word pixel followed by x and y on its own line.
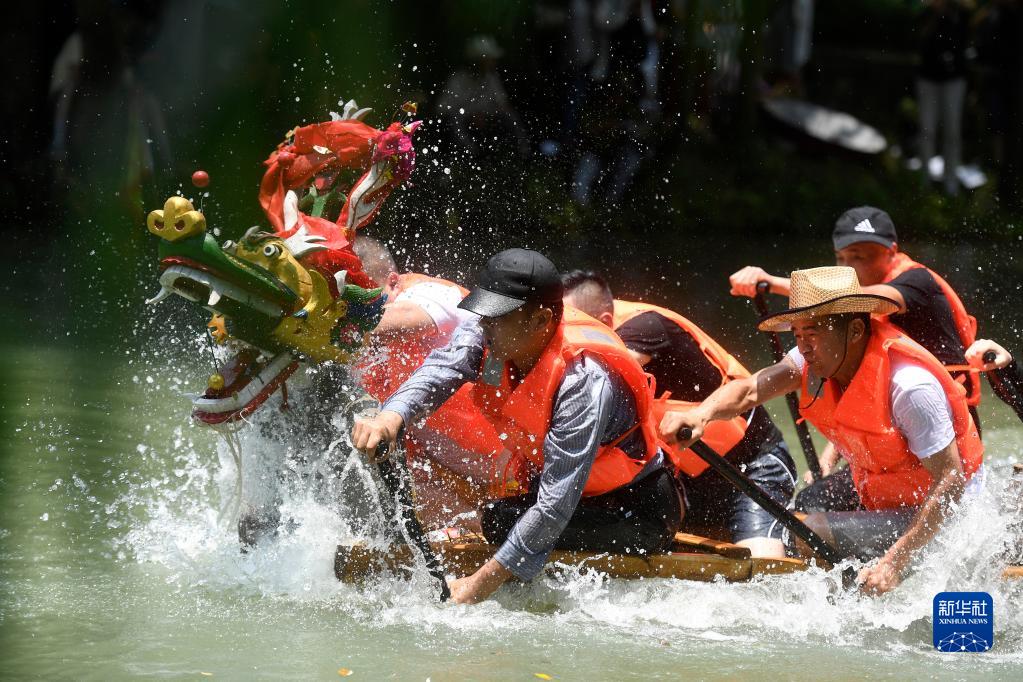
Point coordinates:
pixel 764 548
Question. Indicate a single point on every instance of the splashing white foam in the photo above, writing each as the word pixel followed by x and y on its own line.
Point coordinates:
pixel 326 497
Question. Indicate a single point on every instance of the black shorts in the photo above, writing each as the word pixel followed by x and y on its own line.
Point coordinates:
pixel 714 502
pixel 834 492
pixel 641 517
pixel 868 534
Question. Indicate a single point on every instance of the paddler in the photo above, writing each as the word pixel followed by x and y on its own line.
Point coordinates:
pixel 898 418
pixel 929 311
pixel 688 364
pixel 420 315
pixel 574 410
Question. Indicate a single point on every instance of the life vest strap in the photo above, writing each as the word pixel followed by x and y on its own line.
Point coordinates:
pixel 619 439
pixel 963 368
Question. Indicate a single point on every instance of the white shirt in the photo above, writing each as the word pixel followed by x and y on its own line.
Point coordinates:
pixel 920 409
pixel 440 302
pixel 921 412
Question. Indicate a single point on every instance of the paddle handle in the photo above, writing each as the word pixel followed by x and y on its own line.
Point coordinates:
pixel 396 483
pixel 760 300
pixel 791 399
pixel 744 485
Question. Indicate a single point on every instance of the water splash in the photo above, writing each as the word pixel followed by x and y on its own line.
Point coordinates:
pixel 326 495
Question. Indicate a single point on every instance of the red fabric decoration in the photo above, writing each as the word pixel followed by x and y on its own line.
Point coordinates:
pixel 293 166
pixel 321 148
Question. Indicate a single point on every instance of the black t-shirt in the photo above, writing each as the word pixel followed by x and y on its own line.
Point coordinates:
pixel 679 366
pixel 676 360
pixel 928 318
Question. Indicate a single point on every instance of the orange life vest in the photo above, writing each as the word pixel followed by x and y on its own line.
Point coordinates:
pixel 457 419
pixel 400 357
pixel 966 324
pixel 522 414
pixel 721 435
pixel 859 422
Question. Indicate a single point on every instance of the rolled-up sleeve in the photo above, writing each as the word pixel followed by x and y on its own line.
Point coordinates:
pixel 581 415
pixel 444 371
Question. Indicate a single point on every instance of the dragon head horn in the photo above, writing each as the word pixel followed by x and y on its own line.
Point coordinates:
pixel 251 233
pixel 290 209
pixel 302 243
pixel 352 112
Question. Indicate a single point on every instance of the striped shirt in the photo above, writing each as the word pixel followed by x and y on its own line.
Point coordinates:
pixel 593 407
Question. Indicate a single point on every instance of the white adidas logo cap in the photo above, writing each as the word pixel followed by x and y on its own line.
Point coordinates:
pixel 864 224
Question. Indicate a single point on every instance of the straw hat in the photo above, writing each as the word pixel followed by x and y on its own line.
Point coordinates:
pixel 826 291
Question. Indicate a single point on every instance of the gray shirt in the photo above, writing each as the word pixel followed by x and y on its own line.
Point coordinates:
pixel 593 407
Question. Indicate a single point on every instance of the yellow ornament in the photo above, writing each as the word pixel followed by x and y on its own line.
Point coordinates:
pixel 178 220
pixel 216 382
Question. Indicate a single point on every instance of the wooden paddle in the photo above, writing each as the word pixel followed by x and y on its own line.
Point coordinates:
pixel 690 542
pixel 791 399
pixel 397 485
pixel 743 484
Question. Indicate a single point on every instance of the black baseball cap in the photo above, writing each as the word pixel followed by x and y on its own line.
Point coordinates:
pixel 511 279
pixel 864 224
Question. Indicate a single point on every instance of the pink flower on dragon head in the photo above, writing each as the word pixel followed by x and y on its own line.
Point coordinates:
pixel 396 142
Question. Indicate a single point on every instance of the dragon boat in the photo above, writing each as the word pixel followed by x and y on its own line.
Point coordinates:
pixel 295 293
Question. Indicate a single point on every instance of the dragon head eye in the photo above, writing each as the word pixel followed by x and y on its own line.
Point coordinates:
pixel 271 250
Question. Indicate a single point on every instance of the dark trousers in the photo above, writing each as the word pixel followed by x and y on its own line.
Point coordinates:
pixel 641 517
pixel 834 492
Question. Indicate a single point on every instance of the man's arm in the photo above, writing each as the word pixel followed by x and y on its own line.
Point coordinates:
pixel 946 469
pixel 426 308
pixel 975 355
pixel 444 372
pixel 828 458
pixel 403 317
pixel 887 291
pixel 744 283
pixel 733 398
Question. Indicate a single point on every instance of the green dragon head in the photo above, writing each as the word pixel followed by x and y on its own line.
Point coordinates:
pixel 263 295
pixel 296 292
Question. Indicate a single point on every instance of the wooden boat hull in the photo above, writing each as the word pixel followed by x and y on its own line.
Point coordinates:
pixel 463 556
pixel 693 557
pixel 699 559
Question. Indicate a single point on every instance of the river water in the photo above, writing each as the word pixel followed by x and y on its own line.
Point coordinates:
pixel 114 564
